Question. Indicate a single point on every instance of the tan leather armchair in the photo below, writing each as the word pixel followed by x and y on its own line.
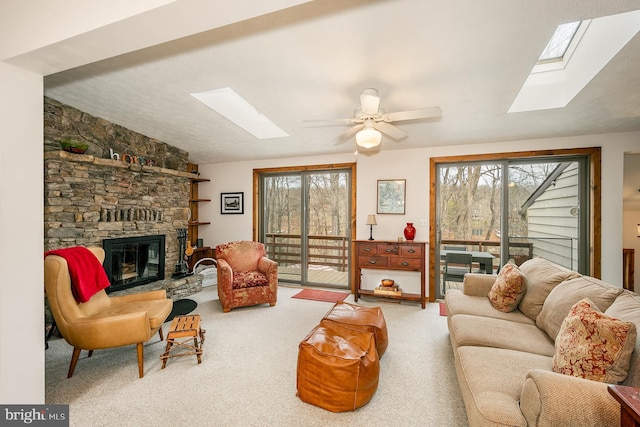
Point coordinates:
pixel 245 275
pixel 103 321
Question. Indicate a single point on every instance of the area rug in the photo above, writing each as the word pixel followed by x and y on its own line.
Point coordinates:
pixel 318 295
pixel 443 309
pixel 181 307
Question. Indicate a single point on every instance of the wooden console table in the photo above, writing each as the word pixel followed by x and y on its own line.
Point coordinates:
pixel 629 399
pixel 390 255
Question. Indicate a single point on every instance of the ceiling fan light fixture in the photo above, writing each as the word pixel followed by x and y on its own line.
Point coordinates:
pixel 368 138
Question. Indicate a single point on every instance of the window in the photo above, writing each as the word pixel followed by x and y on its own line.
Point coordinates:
pixel 559 42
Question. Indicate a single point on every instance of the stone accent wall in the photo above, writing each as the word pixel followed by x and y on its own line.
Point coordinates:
pixel 63 121
pixel 89 197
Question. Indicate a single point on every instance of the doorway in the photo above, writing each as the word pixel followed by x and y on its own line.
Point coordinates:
pixel 513 207
pixel 305 218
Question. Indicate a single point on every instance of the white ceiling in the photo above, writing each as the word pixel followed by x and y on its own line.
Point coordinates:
pixel 311 61
pixel 296 60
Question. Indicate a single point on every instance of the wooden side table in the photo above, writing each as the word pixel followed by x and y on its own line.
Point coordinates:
pixel 390 255
pixel 183 330
pixel 629 399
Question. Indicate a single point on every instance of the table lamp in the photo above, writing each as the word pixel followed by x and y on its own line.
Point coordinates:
pixel 371 221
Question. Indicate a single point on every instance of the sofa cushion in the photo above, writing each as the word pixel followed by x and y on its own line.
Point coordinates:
pixel 542 276
pixel 491 381
pixel 508 289
pixel 564 296
pixel 593 345
pixel 465 329
pixel 627 308
pixel 248 279
pixel 460 303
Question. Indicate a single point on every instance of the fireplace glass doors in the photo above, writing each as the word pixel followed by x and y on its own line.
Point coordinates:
pixel 133 261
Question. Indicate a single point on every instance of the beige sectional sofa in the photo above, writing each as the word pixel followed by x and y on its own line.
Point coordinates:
pixel 504 360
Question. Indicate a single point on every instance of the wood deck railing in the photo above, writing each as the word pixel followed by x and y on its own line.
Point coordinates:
pixel 330 251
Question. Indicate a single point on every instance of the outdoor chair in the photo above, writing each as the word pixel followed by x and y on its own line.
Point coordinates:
pixel 456 265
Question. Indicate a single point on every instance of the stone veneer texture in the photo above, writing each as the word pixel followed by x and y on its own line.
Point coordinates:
pixel 91 197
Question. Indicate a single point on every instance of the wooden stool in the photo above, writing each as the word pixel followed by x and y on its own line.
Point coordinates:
pixel 186 327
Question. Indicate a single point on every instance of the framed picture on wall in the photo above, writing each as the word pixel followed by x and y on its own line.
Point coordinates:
pixel 232 203
pixel 391 196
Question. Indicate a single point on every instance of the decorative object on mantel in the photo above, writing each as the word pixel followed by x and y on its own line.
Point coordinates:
pixel 409 232
pixel 371 221
pixel 73 146
pixel 387 282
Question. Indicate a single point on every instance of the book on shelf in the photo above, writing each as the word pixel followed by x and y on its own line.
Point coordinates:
pixel 388 290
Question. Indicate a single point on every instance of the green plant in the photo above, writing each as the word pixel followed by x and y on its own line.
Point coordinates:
pixel 73 146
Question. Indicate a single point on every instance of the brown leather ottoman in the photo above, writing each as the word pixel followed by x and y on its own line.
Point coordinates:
pixel 338 367
pixel 362 318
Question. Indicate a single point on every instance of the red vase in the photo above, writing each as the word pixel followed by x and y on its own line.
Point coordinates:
pixel 409 231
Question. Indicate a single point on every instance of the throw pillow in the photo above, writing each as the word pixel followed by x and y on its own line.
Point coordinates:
pixel 593 345
pixel 508 289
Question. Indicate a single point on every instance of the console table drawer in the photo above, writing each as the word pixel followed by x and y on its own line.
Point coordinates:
pixel 406 264
pixel 414 251
pixel 373 262
pixel 367 249
pixel 388 249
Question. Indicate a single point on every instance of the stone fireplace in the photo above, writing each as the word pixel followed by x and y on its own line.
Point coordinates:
pixel 133 261
pixel 92 198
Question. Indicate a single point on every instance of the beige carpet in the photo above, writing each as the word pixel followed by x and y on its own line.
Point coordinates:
pixel 248 373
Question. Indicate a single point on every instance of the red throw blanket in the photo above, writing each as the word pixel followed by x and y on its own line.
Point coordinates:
pixel 87 275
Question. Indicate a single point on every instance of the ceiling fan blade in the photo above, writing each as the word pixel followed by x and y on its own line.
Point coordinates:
pixel 423 113
pixel 369 101
pixel 391 130
pixel 347 134
pixel 331 121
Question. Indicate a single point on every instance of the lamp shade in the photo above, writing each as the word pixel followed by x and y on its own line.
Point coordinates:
pixel 371 220
pixel 368 137
pixel 638 229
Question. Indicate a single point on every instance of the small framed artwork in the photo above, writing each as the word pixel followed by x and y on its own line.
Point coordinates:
pixel 391 196
pixel 231 203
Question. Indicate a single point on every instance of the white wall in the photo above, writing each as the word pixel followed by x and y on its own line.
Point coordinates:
pixel 413 165
pixel 21 237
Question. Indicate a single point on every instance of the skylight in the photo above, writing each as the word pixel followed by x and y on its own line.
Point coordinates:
pixel 559 42
pixel 554 83
pixel 235 108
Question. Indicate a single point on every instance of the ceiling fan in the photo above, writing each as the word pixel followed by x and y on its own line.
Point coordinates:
pixel 369 120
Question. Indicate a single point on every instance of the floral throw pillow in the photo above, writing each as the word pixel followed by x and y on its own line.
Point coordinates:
pixel 593 345
pixel 508 289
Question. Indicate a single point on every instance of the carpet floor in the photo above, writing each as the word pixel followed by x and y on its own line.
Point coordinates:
pixel 248 372
pixel 320 295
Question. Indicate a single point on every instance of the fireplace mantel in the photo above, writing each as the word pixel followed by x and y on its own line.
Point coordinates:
pixel 86 158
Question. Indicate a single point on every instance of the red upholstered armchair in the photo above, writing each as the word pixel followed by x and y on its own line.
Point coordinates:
pixel 245 275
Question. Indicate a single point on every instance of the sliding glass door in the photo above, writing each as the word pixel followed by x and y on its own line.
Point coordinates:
pixel 306 225
pixel 512 210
